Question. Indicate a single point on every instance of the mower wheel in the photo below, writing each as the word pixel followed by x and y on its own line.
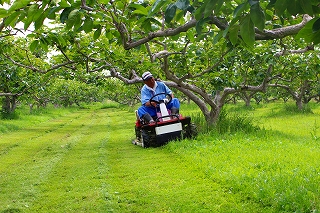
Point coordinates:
pixel 148 138
pixel 190 130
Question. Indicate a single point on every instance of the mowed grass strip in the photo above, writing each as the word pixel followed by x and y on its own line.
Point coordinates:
pixel 58 166
pixel 159 180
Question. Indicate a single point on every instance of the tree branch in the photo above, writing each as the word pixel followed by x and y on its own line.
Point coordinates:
pixel 260 35
pixel 30 67
pixel 161 33
pixel 283 31
pixel 287 88
pixel 84 6
pixel 286 52
pixel 8 94
pixel 135 78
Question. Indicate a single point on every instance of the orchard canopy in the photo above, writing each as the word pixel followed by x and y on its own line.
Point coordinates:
pixel 205 49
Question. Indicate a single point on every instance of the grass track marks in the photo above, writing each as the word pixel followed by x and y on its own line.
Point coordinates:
pixel 51 155
pixel 30 134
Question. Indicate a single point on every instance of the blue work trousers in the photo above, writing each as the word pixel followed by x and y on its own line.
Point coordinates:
pixel 153 110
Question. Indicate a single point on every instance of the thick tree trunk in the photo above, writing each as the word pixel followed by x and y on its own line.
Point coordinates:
pixel 246 99
pixel 299 104
pixel 9 104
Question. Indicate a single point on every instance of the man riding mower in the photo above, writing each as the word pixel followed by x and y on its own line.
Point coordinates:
pixel 158 119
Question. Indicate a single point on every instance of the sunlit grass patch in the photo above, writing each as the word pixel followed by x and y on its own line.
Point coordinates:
pixel 272 171
pixel 274 166
pixel 109 104
pixel 26 118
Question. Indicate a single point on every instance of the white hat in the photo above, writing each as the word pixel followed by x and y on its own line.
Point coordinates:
pixel 146 76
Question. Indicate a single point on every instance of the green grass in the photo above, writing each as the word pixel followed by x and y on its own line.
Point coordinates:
pixel 263 159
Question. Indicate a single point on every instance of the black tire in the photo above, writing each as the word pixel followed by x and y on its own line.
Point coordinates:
pixel 190 131
pixel 148 138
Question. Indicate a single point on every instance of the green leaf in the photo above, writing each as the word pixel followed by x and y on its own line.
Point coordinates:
pixel 209 8
pixel 139 12
pixel 316 25
pixel 239 10
pixel 108 35
pixel 190 35
pixel 271 4
pixel 97 33
pixel 190 9
pixel 306 32
pixel 87 25
pixel 294 7
pixel 73 19
pixel 306 5
pixel 199 12
pixel 182 4
pixel 22 16
pixel 179 16
pixel 52 13
pixel 64 4
pixel 218 7
pixel 316 38
pixel 77 22
pixel 18 4
pixel 156 7
pixel 39 22
pixel 146 25
pixel 155 21
pixel 37 14
pixel 247 31
pixel 170 12
pixel 233 34
pixel 27 22
pixel 3 13
pixel 281 6
pixel 139 9
pixel 44 44
pixel 10 20
pixel 34 45
pixel 65 13
pixel 257 16
pixel 62 41
pixel 73 14
pixel 33 10
pixel 269 15
pixel 200 24
pixel 120 5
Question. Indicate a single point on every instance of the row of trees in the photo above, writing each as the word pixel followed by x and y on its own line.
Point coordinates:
pixel 207 50
pixel 19 84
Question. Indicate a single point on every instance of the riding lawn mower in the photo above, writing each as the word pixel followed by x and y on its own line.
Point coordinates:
pixel 167 126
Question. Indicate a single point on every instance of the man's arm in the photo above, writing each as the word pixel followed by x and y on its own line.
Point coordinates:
pixel 150 104
pixel 145 97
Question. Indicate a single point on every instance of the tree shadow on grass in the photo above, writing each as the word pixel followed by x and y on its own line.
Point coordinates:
pixel 11 210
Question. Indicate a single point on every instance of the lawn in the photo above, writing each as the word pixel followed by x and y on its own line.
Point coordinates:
pixel 82 160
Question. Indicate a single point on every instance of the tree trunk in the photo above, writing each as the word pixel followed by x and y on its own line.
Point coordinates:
pixel 9 104
pixel 245 97
pixel 30 108
pixel 299 103
pixel 247 101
